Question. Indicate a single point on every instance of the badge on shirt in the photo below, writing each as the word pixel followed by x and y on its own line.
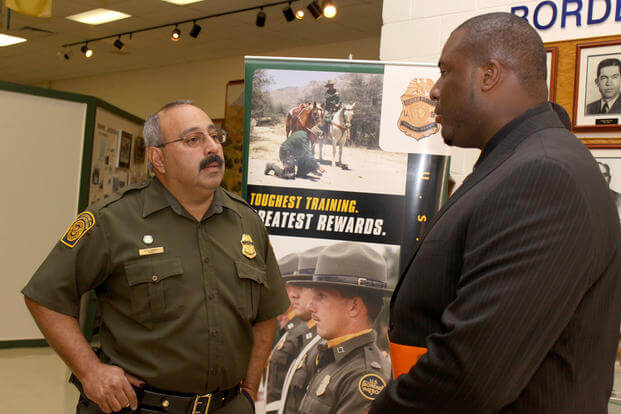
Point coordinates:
pixel 370 386
pixel 248 246
pixel 83 223
pixel 322 386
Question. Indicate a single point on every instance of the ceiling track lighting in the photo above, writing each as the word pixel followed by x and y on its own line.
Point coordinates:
pixel 288 13
pixel 329 9
pixel 314 9
pixel 195 30
pixel 261 18
pixel 176 34
pixel 88 52
pixel 119 44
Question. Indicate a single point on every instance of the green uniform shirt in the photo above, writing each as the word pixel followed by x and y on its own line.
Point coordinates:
pixel 177 297
pixel 286 350
pixel 298 145
pixel 346 378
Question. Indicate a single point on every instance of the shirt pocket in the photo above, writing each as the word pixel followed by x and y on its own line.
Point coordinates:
pixel 252 279
pixel 156 286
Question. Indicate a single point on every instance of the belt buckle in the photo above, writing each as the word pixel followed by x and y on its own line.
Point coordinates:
pixel 198 404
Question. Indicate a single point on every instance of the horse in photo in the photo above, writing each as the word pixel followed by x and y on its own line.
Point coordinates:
pixel 304 117
pixel 339 132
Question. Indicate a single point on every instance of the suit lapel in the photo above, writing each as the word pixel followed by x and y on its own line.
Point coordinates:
pixel 509 137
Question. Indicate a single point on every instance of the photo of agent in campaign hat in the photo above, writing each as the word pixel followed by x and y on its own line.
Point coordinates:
pixel 288 264
pixel 306 265
pixel 349 265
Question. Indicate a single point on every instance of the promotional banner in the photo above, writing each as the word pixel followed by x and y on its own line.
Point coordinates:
pixel 344 164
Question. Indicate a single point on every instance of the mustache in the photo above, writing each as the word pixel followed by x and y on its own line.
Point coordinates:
pixel 209 159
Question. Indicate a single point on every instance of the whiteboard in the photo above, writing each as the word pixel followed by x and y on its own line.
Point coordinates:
pixel 41 142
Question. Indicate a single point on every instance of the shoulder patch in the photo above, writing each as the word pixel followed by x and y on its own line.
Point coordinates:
pixel 83 223
pixel 370 386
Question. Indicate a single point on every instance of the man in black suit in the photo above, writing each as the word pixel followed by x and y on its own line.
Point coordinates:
pixel 511 301
pixel 609 83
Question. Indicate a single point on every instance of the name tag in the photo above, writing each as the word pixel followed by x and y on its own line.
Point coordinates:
pixel 152 250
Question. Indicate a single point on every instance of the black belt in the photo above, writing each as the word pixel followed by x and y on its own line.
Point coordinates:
pixel 153 401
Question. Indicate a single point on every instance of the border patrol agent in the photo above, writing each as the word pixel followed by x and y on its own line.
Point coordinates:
pixel 295 151
pixel 346 371
pixel 331 106
pixel 287 264
pixel 187 284
pixel 290 345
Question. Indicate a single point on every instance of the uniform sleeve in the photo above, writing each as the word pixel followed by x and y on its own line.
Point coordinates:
pixel 526 267
pixel 274 299
pixel 69 272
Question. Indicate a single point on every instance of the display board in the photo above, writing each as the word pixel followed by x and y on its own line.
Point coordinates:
pixel 47 171
pixel 373 172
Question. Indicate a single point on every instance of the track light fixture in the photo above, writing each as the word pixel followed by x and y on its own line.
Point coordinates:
pixel 175 35
pixel 314 9
pixel 261 18
pixel 195 30
pixel 88 52
pixel 288 12
pixel 118 44
pixel 329 9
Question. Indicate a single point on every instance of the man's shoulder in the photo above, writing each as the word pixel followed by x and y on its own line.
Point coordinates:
pixel 240 205
pixel 119 197
pixel 593 107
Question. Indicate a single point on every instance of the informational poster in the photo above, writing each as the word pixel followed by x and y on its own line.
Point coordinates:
pixel 119 155
pixel 340 155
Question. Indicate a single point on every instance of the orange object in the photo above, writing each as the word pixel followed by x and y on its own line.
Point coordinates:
pixel 404 357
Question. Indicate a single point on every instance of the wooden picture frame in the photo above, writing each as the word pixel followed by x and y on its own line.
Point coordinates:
pixel 589 95
pixel 552 70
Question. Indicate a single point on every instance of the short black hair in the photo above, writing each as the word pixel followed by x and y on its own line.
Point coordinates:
pixel 511 40
pixel 372 300
pixel 608 62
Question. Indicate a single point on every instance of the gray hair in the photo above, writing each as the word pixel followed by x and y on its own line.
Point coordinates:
pixel 151 131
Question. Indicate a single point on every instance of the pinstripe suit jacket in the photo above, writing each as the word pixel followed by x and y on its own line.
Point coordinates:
pixel 514 288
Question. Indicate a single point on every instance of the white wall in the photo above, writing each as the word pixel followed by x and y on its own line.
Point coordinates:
pixel 142 92
pixel 416 30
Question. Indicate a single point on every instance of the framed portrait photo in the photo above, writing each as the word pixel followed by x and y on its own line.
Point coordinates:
pixel 597 89
pixel 552 65
pixel 610 167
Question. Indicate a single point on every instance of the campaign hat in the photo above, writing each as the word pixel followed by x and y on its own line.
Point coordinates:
pixel 349 265
pixel 306 264
pixel 288 264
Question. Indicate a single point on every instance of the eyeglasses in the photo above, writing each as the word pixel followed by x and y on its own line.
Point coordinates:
pixel 196 139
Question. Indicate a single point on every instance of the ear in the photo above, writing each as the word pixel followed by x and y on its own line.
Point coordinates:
pixel 157 159
pixel 352 105
pixel 491 75
pixel 356 306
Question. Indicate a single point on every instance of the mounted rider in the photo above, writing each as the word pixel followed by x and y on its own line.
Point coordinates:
pixel 332 105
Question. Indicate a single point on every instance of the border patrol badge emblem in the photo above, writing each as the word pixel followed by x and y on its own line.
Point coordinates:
pixel 370 386
pixel 322 386
pixel 248 246
pixel 83 223
pixel 417 119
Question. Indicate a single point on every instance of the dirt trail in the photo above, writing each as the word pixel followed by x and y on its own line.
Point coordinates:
pixel 370 171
